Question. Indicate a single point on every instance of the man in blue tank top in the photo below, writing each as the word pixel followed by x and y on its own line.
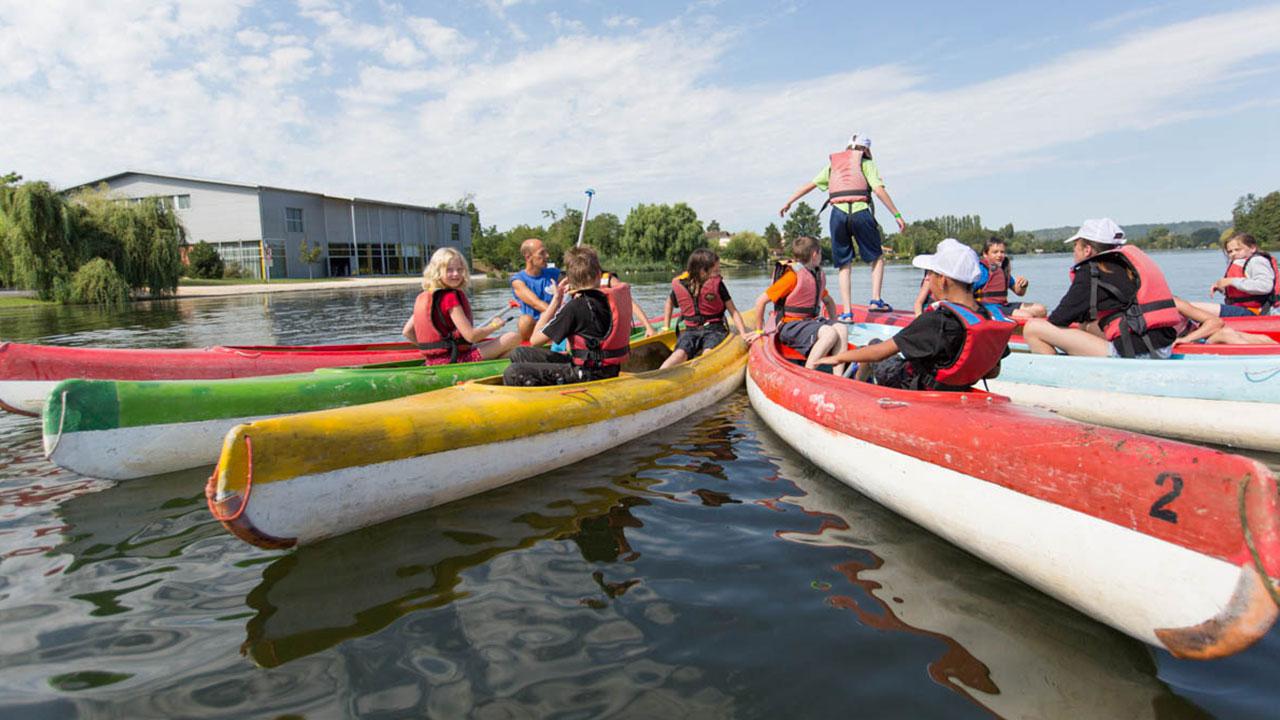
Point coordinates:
pixel 534 285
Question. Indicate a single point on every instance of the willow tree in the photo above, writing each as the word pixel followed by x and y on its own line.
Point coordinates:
pixel 142 239
pixel 38 249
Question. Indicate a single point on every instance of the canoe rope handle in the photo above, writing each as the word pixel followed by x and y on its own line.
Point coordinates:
pixel 61 420
pixel 248 485
pixel 1261 375
pixel 1253 550
pixel 888 404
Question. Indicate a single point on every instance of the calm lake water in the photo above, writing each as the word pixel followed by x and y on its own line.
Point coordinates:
pixel 706 570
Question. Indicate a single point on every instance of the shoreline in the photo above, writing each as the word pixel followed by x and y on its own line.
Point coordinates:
pixel 196 291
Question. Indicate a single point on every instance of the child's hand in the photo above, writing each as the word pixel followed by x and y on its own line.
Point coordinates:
pixel 1021 284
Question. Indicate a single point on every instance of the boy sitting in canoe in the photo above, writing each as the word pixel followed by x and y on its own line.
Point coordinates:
pixel 1119 297
pixel 441 324
pixel 594 321
pixel 953 344
pixel 1001 281
pixel 798 294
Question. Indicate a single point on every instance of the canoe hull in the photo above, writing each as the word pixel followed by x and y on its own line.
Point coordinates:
pixel 24 397
pixel 1080 512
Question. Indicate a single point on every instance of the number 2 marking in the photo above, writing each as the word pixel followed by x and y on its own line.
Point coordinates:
pixel 1159 509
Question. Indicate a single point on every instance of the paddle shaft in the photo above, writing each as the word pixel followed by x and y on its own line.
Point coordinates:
pixel 583 229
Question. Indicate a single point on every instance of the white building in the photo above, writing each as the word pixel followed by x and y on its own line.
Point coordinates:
pixel 356 236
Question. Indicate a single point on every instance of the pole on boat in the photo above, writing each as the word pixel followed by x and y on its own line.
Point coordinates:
pixel 583 230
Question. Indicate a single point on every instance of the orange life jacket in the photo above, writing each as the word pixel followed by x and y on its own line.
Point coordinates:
pixel 846 183
pixel 1257 303
pixel 594 353
pixel 435 333
pixel 986 335
pixel 1151 309
pixel 707 308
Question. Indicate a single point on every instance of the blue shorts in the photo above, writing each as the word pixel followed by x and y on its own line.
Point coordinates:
pixel 1225 310
pixel 860 227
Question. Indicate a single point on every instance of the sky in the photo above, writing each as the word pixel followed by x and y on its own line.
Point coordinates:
pixel 1032 113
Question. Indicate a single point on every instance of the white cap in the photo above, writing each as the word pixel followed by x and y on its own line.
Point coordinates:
pixel 1100 230
pixel 859 139
pixel 953 259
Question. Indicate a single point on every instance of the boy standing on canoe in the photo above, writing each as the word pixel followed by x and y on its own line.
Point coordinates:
pixel 850 178
pixel 799 293
pixel 955 343
pixel 594 321
pixel 532 286
pixel 1119 297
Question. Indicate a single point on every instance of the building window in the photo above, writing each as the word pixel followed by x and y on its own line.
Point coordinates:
pixel 184 201
pixel 455 233
pixel 293 220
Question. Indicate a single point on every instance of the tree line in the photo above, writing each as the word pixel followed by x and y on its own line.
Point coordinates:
pixel 88 247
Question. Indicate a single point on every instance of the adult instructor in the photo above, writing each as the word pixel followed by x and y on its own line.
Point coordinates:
pixel 849 179
pixel 533 286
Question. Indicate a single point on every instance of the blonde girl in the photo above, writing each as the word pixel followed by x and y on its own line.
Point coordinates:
pixel 441 324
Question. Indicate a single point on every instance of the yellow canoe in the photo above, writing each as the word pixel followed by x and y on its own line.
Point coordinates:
pixel 300 478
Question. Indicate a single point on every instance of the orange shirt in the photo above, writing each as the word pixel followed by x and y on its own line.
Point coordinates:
pixel 783 286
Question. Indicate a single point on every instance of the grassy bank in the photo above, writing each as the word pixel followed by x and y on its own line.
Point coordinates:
pixel 15 301
pixel 206 282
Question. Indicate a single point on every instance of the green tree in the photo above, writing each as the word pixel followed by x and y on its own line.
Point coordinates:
pixel 662 232
pixel 310 254
pixel 773 237
pixel 203 261
pixel 803 222
pixel 713 226
pixel 1260 217
pixel 39 245
pixel 97 282
pixel 11 178
pixel 1205 237
pixel 747 247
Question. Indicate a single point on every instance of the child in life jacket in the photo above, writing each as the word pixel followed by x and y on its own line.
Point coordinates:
pixel 1119 297
pixel 799 294
pixel 1204 327
pixel 955 343
pixel 702 297
pixel 1251 284
pixel 594 321
pixel 1001 281
pixel 441 324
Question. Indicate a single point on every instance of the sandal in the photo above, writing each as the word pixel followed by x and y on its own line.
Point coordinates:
pixel 844 317
pixel 879 305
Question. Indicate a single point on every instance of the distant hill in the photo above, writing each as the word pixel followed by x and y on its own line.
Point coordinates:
pixel 1137 231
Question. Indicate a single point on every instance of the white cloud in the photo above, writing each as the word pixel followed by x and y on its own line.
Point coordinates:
pixel 617 21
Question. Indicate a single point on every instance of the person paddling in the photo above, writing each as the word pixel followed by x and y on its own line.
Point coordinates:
pixel 799 294
pixel 532 286
pixel 1251 284
pixel 441 324
pixel 1001 281
pixel 955 343
pixel 1117 294
pixel 594 321
pixel 850 178
pixel 702 297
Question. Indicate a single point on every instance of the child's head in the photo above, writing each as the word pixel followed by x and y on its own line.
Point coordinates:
pixel 1240 246
pixel 995 250
pixel 582 267
pixel 701 264
pixel 953 264
pixel 447 269
pixel 803 249
pixel 1095 236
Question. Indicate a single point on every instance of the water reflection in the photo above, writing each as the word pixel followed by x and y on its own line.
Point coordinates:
pixel 1008 648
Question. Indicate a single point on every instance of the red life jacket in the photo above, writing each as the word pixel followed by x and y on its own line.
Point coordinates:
pixel 434 331
pixel 804 302
pixel 707 308
pixel 997 288
pixel 1257 303
pixel 846 183
pixel 1153 307
pixel 986 335
pixel 594 353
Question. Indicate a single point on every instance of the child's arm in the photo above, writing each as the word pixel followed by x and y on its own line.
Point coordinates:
pixel 918 306
pixel 468 331
pixel 804 190
pixel 866 353
pixel 667 310
pixel 557 296
pixel 638 312
pixel 408 332
pixel 737 318
pixel 759 313
pixel 830 305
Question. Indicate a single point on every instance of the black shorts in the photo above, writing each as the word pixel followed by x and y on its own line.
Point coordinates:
pixel 800 335
pixel 696 341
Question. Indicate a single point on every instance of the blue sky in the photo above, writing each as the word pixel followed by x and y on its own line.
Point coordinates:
pixel 1030 113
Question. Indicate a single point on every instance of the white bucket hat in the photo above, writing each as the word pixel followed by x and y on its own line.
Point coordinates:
pixel 953 259
pixel 1100 230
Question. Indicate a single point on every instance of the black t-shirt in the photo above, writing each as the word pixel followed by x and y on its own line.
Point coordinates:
pixel 1074 306
pixel 933 340
pixel 586 313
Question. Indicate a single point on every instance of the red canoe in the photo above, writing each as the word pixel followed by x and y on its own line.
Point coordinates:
pixel 28 372
pixel 1173 544
pixel 1263 325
